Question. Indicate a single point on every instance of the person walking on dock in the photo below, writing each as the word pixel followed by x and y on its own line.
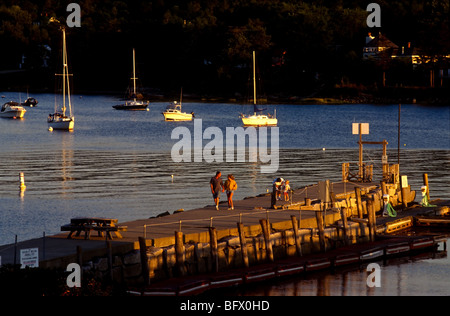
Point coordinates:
pixel 278 187
pixel 287 190
pixel 216 184
pixel 230 186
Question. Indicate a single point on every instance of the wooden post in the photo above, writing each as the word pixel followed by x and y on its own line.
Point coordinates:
pixel 345 225
pixel 358 202
pixel 243 242
pixel 360 162
pixel 425 183
pixel 198 258
pixel 298 246
pixel 321 227
pixel 180 253
pixel 383 188
pixel 213 246
pixel 372 219
pixel 144 260
pixel 266 233
pixel 307 202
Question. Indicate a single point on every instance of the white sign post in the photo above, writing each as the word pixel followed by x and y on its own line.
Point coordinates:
pixel 29 258
pixel 361 129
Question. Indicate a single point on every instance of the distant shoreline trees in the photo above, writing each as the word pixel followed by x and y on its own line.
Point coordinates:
pixel 205 45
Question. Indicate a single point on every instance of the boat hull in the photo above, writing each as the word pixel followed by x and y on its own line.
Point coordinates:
pixel 13 114
pixel 177 116
pixel 259 120
pixel 132 106
pixel 62 125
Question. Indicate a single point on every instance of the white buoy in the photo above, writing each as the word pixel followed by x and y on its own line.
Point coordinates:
pixel 323 149
pixel 22 181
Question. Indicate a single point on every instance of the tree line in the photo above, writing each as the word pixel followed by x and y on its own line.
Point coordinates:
pixel 206 45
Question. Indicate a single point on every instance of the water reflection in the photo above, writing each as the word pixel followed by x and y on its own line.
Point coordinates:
pixel 67 158
pixel 424 274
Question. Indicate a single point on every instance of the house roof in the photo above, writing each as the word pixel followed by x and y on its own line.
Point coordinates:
pixel 381 41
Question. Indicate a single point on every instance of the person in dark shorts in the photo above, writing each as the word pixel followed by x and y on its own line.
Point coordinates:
pixel 216 184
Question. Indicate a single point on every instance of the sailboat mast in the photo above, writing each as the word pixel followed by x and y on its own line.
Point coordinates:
pixel 254 78
pixel 134 74
pixel 66 65
pixel 64 71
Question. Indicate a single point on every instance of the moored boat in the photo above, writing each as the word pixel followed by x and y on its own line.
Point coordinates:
pixel 59 120
pixel 12 110
pixel 135 104
pixel 31 102
pixel 173 113
pixel 258 119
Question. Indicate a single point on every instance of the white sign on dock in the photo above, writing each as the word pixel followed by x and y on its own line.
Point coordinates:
pixel 404 181
pixel 364 128
pixel 29 258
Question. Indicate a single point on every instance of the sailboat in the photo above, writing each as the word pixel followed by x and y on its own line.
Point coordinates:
pixel 59 120
pixel 133 105
pixel 258 119
pixel 173 111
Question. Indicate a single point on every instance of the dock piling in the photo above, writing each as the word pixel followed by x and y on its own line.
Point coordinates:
pixel 296 235
pixel 213 245
pixel 243 243
pixel 180 253
pixel 266 233
pixel 358 202
pixel 144 260
pixel 321 228
pixel 371 218
pixel 345 226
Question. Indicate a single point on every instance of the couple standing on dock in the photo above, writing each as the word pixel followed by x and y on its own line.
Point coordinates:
pixel 217 185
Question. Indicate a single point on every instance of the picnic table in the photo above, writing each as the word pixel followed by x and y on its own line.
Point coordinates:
pixel 89 224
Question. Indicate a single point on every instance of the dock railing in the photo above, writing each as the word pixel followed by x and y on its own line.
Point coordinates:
pixel 211 219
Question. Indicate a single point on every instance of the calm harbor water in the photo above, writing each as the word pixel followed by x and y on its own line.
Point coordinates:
pixel 118 164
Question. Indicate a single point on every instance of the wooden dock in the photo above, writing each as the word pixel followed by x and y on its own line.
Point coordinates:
pixel 57 250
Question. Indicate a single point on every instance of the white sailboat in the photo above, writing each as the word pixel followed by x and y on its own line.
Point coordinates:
pixel 258 119
pixel 133 105
pixel 59 120
pixel 173 112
